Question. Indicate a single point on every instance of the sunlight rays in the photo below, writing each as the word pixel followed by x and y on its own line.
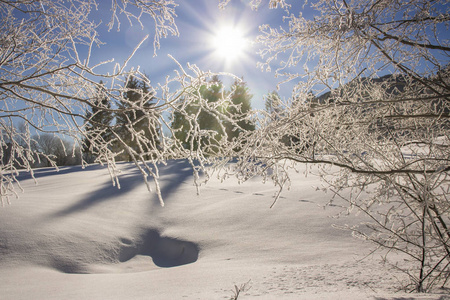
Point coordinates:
pixel 229 43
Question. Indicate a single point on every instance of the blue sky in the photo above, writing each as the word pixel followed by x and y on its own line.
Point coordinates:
pixel 197 22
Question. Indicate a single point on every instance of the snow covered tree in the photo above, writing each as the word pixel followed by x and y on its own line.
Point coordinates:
pixel 240 111
pixel 273 104
pixel 48 81
pixel 53 151
pixel 98 120
pixel 137 121
pixel 205 117
pixel 378 125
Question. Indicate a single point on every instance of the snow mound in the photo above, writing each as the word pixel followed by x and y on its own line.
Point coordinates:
pixel 75 236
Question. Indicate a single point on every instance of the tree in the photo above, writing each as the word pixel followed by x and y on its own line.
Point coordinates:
pixel 240 111
pixel 53 151
pixel 99 115
pixel 220 117
pixel 13 140
pixel 382 142
pixel 204 116
pixel 382 148
pixel 273 105
pixel 207 119
pixel 137 121
pixel 48 81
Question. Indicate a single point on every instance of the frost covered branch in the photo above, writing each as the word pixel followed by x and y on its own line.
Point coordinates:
pixel 371 107
pixel 48 84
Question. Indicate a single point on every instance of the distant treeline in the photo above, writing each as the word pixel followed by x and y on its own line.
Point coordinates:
pixel 44 150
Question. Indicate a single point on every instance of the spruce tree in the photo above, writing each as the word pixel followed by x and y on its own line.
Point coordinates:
pixel 138 121
pixel 231 122
pixel 207 120
pixel 181 125
pixel 204 119
pixel 239 110
pixel 98 119
pixel 273 105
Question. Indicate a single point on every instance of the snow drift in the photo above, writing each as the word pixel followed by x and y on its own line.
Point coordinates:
pixel 75 236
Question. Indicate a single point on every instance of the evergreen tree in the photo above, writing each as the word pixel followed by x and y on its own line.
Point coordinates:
pixel 205 120
pixel 273 105
pixel 231 121
pixel 98 118
pixel 239 110
pixel 181 125
pixel 137 120
pixel 212 94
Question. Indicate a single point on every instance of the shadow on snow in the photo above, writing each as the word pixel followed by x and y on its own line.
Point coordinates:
pixel 172 175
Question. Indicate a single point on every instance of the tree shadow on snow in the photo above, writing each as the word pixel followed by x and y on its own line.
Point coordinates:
pixel 105 193
pixel 172 176
pixel 51 171
pixel 176 173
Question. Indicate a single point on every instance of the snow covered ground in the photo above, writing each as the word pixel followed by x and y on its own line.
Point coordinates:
pixel 75 236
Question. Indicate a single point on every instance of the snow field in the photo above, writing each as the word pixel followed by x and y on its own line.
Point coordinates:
pixel 75 236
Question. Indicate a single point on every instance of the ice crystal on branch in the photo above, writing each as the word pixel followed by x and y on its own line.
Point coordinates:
pixel 370 108
pixel 379 114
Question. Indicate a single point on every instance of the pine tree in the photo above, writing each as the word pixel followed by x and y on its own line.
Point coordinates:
pixel 273 105
pixel 239 110
pixel 98 119
pixel 231 118
pixel 208 121
pixel 138 121
pixel 183 127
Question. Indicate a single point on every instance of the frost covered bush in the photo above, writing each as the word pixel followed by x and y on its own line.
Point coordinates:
pixel 370 107
pixel 49 86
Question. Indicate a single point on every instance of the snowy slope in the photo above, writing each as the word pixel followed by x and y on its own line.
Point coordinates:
pixel 75 236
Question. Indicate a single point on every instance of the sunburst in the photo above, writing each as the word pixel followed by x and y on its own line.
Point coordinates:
pixel 229 43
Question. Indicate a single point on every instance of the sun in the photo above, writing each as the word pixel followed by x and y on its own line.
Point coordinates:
pixel 229 43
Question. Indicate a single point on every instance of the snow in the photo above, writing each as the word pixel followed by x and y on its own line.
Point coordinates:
pixel 75 236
